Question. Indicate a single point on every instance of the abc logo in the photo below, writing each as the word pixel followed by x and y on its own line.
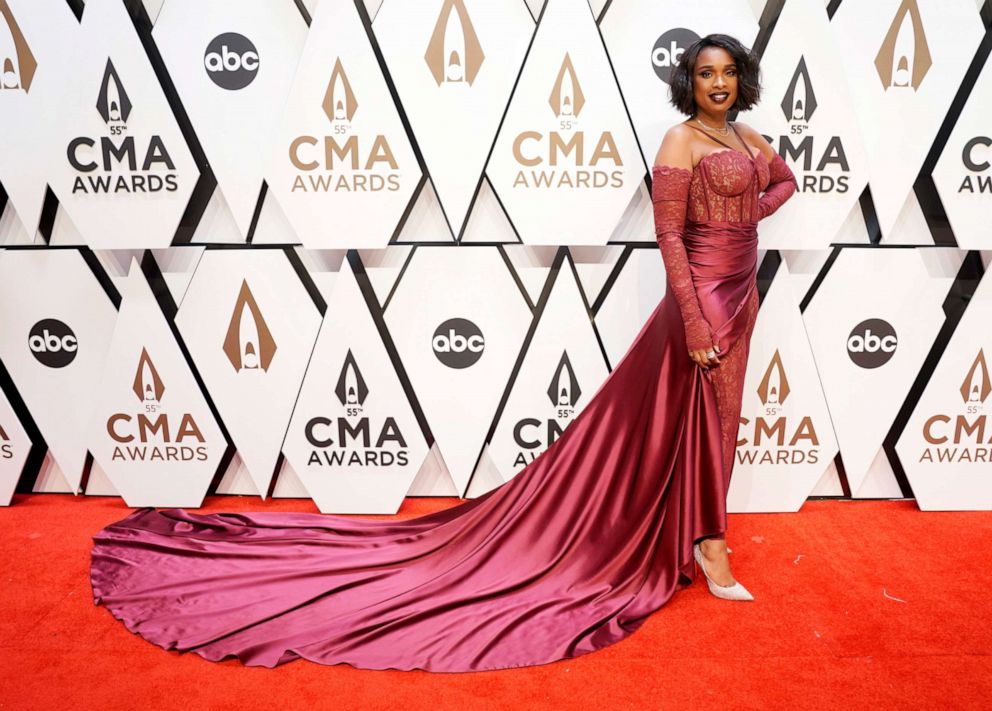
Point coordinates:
pixel 668 50
pixel 53 343
pixel 872 343
pixel 458 343
pixel 231 61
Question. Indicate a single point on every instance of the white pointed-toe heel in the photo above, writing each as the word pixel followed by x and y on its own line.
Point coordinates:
pixel 726 592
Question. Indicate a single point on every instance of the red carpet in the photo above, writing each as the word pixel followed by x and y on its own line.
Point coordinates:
pixel 859 604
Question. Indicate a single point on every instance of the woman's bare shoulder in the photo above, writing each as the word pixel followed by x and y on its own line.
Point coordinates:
pixel 755 138
pixel 676 147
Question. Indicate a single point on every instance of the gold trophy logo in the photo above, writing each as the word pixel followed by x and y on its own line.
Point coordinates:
pixel 904 57
pixel 454 54
pixel 566 98
pixel 248 344
pixel 977 385
pixel 339 100
pixel 774 386
pixel 148 386
pixel 17 63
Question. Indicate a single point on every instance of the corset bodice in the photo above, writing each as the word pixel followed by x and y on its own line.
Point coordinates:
pixel 725 187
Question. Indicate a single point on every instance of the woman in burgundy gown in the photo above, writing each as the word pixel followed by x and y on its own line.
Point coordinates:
pixel 570 555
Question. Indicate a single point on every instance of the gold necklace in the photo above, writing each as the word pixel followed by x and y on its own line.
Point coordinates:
pixel 725 131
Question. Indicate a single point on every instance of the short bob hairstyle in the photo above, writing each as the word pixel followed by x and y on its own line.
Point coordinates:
pixel 748 74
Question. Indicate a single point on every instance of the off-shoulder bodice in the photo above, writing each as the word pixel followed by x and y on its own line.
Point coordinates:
pixel 725 186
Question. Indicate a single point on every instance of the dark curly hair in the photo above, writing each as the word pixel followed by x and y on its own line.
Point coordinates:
pixel 748 74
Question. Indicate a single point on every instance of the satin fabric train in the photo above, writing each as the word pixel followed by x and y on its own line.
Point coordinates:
pixel 569 556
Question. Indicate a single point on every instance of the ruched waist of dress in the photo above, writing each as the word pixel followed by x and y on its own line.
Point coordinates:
pixel 721 250
pixel 721 231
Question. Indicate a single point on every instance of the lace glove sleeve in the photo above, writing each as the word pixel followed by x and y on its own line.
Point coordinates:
pixel 781 185
pixel 670 196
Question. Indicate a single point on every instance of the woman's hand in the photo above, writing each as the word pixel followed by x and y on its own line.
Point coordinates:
pixel 705 361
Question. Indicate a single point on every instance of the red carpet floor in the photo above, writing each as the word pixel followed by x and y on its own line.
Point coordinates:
pixel 859 604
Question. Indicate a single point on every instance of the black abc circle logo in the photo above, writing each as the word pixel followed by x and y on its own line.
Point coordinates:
pixel 231 61
pixel 458 343
pixel 668 50
pixel 52 343
pixel 872 343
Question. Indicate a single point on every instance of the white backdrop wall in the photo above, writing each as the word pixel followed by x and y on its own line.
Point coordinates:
pixel 354 251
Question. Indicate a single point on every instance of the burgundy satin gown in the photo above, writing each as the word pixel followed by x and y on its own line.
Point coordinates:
pixel 569 556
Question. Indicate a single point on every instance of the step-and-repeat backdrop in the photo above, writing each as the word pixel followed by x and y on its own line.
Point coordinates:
pixel 355 251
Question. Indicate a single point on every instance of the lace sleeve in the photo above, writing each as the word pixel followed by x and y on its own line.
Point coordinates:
pixel 670 196
pixel 781 186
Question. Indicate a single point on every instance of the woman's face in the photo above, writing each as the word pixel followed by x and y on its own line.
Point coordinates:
pixel 714 81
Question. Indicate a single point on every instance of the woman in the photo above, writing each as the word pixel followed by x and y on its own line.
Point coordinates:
pixel 707 176
pixel 574 552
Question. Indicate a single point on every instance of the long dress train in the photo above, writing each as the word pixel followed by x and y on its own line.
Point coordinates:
pixel 569 556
